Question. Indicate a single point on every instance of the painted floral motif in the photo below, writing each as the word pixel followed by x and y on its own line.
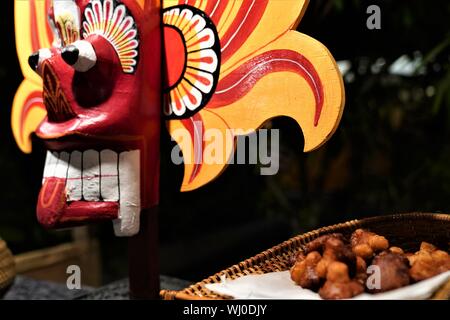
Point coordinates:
pixel 66 20
pixel 112 20
pixel 191 40
pixel 267 69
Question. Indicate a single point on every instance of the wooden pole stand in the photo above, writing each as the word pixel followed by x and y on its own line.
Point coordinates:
pixel 143 258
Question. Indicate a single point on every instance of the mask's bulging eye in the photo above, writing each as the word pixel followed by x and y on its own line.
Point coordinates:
pixel 80 55
pixel 33 60
pixel 70 54
pixel 36 59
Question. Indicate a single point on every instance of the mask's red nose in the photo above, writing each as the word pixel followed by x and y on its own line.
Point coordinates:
pixel 58 108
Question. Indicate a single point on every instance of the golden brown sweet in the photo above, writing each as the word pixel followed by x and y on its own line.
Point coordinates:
pixel 339 285
pixel 365 243
pixel 337 267
pixel 312 270
pixel 319 243
pixel 334 249
pixel 428 262
pixel 396 250
pixel 304 273
pixel 361 270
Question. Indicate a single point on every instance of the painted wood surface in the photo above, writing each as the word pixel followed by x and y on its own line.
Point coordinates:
pixel 92 93
pixel 230 65
pixel 242 65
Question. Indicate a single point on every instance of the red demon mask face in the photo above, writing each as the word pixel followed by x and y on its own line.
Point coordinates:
pixel 102 83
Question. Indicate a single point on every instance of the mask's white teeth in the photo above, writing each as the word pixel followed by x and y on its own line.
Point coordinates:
pixel 109 185
pixel 91 175
pixel 50 165
pixel 62 166
pixel 73 184
pixel 102 176
pixel 129 186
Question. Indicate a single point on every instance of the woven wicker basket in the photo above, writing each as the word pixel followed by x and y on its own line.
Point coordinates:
pixel 7 267
pixel 405 230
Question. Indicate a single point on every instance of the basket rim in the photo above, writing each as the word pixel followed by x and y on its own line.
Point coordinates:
pixel 7 266
pixel 289 244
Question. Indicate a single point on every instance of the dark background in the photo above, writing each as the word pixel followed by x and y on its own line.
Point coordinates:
pixel 390 154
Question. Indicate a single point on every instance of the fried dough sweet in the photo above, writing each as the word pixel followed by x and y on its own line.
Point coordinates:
pixel 338 267
pixel 365 243
pixel 428 262
pixel 339 285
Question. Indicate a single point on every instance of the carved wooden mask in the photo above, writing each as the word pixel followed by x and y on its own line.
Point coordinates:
pixel 96 70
